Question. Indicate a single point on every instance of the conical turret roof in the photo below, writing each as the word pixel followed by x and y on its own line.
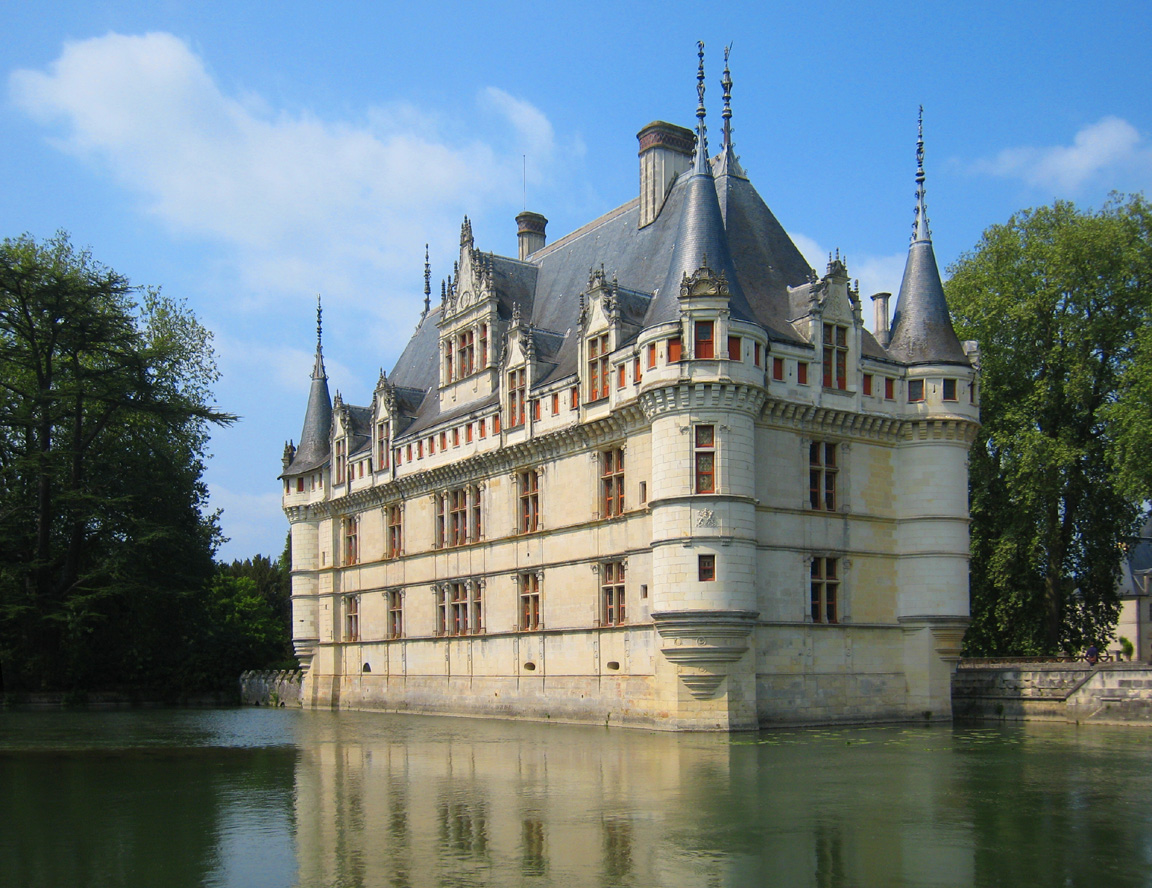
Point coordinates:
pixel 921 325
pixel 313 451
pixel 700 239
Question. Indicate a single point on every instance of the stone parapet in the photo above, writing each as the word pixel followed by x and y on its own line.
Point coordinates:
pixel 1112 693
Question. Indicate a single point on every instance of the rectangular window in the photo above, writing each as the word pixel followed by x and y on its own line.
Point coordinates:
pixel 395 613
pixel 867 383
pixel 535 409
pixel 915 390
pixel 431 444
pixel 756 354
pixel 705 458
pixel 351 617
pixel 420 449
pixel 636 370
pixel 409 453
pixel 835 356
pixel 949 389
pixel 621 376
pixel 465 353
pixel 457 517
pixel 825 590
pixel 351 547
pixel 443 440
pixel 529 601
pixel 382 446
pixel 555 403
pixel 889 389
pixel 706 568
pixel 459 608
pixel 674 349
pixel 822 472
pixel 496 424
pixel 651 355
pixel 612 593
pixel 643 492
pixel 468 433
pixel 972 392
pixel 598 367
pixel 517 380
pixel 529 501
pixel 778 369
pixel 395 532
pixel 802 372
pixel 341 460
pixel 705 347
pixel 734 352
pixel 300 484
pixel 456 437
pixel 442 610
pixel 483 347
pixel 483 428
pixel 612 482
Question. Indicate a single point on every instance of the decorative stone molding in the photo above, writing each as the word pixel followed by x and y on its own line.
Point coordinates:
pixel 704 640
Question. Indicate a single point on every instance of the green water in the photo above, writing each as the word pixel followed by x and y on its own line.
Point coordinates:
pixel 262 797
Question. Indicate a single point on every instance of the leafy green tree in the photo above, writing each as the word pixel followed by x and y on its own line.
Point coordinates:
pixel 1060 301
pixel 272 582
pixel 104 416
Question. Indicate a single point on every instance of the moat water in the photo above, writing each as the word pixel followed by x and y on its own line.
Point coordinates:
pixel 270 797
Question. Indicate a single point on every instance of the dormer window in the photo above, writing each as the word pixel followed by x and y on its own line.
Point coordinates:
pixel 483 347
pixel 517 385
pixel 465 353
pixel 598 367
pixel 835 356
pixel 382 445
pixel 705 349
pixel 341 460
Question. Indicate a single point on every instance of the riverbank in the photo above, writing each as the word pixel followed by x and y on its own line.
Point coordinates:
pixel 1108 693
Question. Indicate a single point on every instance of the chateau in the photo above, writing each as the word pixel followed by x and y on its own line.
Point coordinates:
pixel 653 473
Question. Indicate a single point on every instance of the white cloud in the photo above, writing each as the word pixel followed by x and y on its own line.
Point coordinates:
pixel 304 204
pixel 1109 149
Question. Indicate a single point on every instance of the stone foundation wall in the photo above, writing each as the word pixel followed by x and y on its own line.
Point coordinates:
pixel 271 687
pixel 1112 693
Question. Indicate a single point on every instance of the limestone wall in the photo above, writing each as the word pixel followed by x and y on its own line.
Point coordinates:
pixel 269 687
pixel 1112 693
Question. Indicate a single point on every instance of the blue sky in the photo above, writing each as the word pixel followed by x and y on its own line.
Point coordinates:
pixel 248 156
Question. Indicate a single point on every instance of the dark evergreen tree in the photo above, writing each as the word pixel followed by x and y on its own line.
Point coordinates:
pixel 104 416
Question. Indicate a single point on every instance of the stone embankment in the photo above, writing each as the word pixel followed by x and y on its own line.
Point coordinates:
pixel 1108 693
pixel 271 687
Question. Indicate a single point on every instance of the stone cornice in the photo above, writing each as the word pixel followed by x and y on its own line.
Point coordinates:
pixel 821 420
pixel 562 442
pixel 684 395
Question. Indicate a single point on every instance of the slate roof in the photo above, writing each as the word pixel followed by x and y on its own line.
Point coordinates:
pixel 314 437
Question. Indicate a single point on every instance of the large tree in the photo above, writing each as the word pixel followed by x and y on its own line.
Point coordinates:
pixel 1060 301
pixel 104 415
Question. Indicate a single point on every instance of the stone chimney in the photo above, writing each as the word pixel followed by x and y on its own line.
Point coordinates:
pixel 880 304
pixel 665 153
pixel 530 231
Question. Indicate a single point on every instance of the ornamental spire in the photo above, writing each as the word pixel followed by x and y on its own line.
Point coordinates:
pixel 701 159
pixel 920 229
pixel 318 367
pixel 726 83
pixel 427 281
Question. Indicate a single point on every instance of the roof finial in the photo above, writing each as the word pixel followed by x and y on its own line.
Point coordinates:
pixel 726 82
pixel 701 129
pixel 920 229
pixel 318 367
pixel 427 281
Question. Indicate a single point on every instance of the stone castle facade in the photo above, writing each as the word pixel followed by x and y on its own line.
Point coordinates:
pixel 654 473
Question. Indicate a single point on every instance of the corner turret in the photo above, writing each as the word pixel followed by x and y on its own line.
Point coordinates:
pixel 921 331
pixel 313 451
